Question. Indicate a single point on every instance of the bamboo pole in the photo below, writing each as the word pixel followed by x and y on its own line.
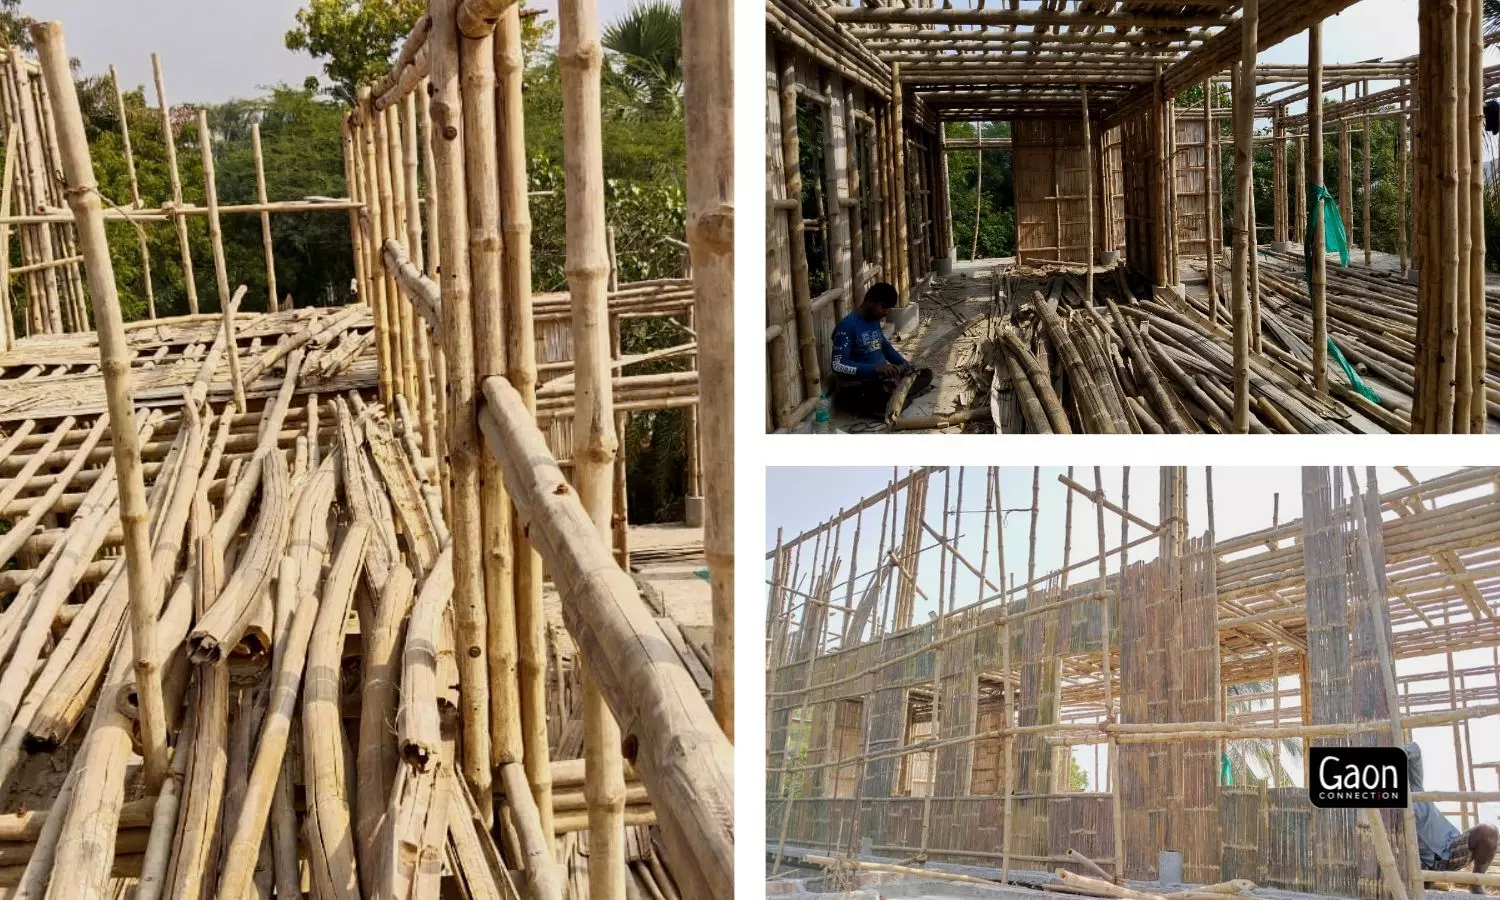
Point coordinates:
pixel 477 65
pixel 216 237
pixel 190 282
pixel 114 357
pixel 426 402
pixel 397 310
pixel 135 193
pixel 463 440
pixel 1473 122
pixel 1088 167
pixel 708 84
pixel 520 359
pixel 32 168
pixel 579 62
pixel 899 187
pixel 1211 175
pixel 265 217
pixel 380 300
pixel 1244 162
pixel 792 173
pixel 1401 186
pixel 682 756
pixel 1318 280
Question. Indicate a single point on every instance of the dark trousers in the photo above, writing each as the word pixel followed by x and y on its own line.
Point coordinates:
pixel 869 399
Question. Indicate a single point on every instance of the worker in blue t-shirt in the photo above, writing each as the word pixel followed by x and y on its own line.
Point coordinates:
pixel 866 366
pixel 1442 847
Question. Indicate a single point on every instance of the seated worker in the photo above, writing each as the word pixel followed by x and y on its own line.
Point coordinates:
pixel 1444 848
pixel 866 366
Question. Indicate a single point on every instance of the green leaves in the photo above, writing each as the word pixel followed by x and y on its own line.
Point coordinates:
pixel 357 38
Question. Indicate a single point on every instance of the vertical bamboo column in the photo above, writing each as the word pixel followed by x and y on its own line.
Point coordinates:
pixel 1463 386
pixel 1401 186
pixel 898 173
pixel 221 273
pixel 857 205
pixel 1244 219
pixel 7 184
pixel 978 188
pixel 1346 169
pixel 422 336
pixel 1088 170
pixel 114 358
pixel 34 164
pixel 1210 209
pixel 265 218
pixel 792 172
pixel 1365 140
pixel 520 361
pixel 433 214
pixel 463 438
pixel 1318 279
pixel 1278 177
pixel 1299 233
pixel 380 183
pixel 587 265
pixel 396 216
pixel 380 294
pixel 708 39
pixel 1473 123
pixel 189 281
pixel 481 176
pixel 135 192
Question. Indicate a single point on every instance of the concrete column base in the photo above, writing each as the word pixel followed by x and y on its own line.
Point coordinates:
pixel 1107 258
pixel 692 512
pixel 943 265
pixel 1285 246
pixel 904 318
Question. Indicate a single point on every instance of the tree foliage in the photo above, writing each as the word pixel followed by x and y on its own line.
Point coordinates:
pixel 356 39
pixel 647 63
pixel 995 194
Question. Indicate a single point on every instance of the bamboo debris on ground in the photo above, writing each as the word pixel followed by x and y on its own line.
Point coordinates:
pixel 1157 364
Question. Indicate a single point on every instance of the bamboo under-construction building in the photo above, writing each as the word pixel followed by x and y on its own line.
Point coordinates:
pixel 342 601
pixel 1131 645
pixel 1143 296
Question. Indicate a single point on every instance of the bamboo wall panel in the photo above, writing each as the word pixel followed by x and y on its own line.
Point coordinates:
pixel 1139 182
pixel 1196 621
pixel 1326 561
pixel 1114 188
pixel 783 376
pixel 1191 187
pixel 1242 813
pixel 1051 189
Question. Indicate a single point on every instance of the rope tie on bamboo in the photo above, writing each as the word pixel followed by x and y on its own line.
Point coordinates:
pixel 69 191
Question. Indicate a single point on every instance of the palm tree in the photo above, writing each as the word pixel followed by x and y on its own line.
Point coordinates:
pixel 1247 757
pixel 1491 15
pixel 647 43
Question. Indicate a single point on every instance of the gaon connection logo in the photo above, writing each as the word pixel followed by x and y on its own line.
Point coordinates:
pixel 1358 778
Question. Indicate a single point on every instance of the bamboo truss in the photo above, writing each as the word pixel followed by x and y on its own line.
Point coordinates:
pixel 1030 66
pixel 944 740
pixel 280 579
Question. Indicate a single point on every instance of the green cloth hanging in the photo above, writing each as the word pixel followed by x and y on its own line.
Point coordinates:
pixel 1334 238
pixel 1226 771
pixel 1333 226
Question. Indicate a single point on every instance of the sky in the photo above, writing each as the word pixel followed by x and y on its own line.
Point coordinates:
pixel 800 498
pixel 211 50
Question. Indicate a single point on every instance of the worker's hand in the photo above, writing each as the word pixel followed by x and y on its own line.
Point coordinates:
pixel 886 370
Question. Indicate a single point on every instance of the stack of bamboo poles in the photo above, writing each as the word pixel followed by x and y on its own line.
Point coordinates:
pixel 1164 365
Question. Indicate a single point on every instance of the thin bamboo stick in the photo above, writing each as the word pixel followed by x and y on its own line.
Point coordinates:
pixel 221 272
pixel 265 217
pixel 135 193
pixel 190 282
pixel 1244 162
